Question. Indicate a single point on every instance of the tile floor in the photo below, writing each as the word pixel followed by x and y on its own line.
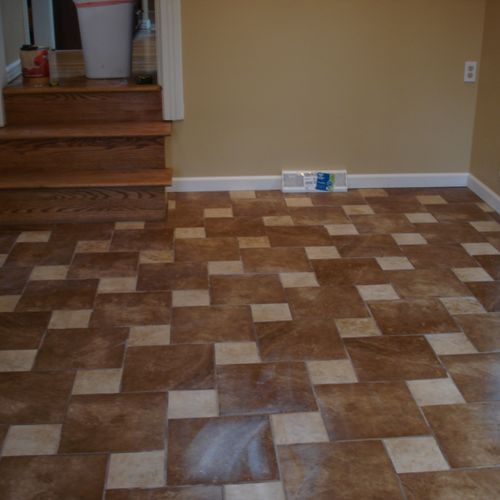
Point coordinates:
pixel 255 346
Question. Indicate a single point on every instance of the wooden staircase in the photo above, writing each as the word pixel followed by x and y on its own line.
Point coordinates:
pixel 83 154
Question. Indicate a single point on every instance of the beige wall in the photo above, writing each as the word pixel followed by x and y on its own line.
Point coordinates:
pixel 485 163
pixel 13 28
pixel 372 85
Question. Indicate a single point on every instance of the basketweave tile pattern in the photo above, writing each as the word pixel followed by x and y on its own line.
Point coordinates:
pixel 255 345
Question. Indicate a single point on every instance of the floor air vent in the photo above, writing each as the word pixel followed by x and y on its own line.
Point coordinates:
pixel 317 181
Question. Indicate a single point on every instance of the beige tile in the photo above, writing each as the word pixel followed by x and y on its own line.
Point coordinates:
pixel 188 298
pixel 3 258
pixel 254 491
pixel 463 305
pixel 299 201
pixel 409 239
pixel 372 192
pixel 117 285
pixel 225 267
pixel 49 273
pixel 358 209
pixel 242 195
pixel 297 280
pixel 193 404
pixel 322 253
pixel 156 256
pixel 438 391
pixel 296 428
pixel 254 242
pixel 415 454
pixel 8 302
pixel 486 226
pixel 97 381
pixel 341 229
pixel 357 327
pixel 278 220
pixel 31 440
pixel 472 274
pixel 136 470
pixel 189 232
pixel 70 319
pixel 338 371
pixel 270 312
pixel 236 353
pixel 149 335
pixel 92 246
pixel 217 213
pixel 129 225
pixel 17 360
pixel 431 200
pixel 377 292
pixel 171 204
pixel 451 343
pixel 394 263
pixel 34 237
pixel 485 207
pixel 480 249
pixel 421 218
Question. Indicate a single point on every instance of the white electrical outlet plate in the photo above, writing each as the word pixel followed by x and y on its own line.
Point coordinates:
pixel 470 71
pixel 313 181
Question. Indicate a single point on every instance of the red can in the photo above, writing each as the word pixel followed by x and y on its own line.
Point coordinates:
pixel 35 65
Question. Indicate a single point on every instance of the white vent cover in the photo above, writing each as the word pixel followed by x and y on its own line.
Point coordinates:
pixel 317 181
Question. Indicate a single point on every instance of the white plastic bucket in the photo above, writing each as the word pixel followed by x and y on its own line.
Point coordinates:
pixel 106 29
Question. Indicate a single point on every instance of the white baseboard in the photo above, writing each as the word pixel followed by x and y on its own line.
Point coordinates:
pixel 239 183
pixel 13 70
pixel 484 192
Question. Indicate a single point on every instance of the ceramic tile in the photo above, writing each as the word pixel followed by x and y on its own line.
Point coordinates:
pixel 439 391
pixel 449 233
pixel 394 263
pixel 103 265
pixel 40 254
pixel 246 289
pixel 229 353
pixel 22 330
pixel 34 237
pixel 225 267
pixel 472 274
pixel 272 490
pixel 382 224
pixel 438 256
pixel 129 225
pixel 92 246
pixel 13 280
pixel 485 226
pixel 190 298
pixel 254 242
pixel 409 239
pixel 337 371
pixel 8 303
pixel 24 440
pixel 296 280
pixel 421 218
pixel 17 360
pixel 326 252
pixel 242 195
pixel 117 285
pixel 481 330
pixel 242 227
pixel 172 276
pixel 491 264
pixel 136 470
pixel 480 249
pixel 341 229
pixel 274 260
pixel 450 343
pixel 462 305
pixel 357 327
pixel 358 209
pixel 270 312
pixel 488 294
pixel 49 272
pixel 299 201
pixel 192 404
pixel 377 292
pixel 217 212
pixel 348 272
pixel 318 216
pixel 206 249
pixel 372 192
pixel 259 207
pixel 149 335
pixel 431 200
pixel 189 232
pixel 278 220
pixel 156 256
pixel 295 428
pixel 106 381
pixel 298 236
pixel 70 319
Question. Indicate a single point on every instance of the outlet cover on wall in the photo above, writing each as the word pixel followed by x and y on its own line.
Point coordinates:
pixel 470 71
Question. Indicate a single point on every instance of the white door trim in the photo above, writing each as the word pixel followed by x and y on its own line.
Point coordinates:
pixel 3 71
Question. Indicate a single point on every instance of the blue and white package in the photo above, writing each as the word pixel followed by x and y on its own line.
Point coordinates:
pixel 324 181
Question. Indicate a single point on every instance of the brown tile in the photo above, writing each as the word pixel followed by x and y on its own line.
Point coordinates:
pixel 264 388
pixel 22 330
pixel 482 330
pixel 211 324
pixel 491 264
pixel 438 256
pixel 185 217
pixel 163 368
pixel 82 349
pixel 344 471
pixel 449 233
pixel 298 236
pixel 458 212
pixel 383 223
pixel 34 398
pixel 52 477
pixel 258 207
pixel 197 450
pixel 40 254
pixel 137 240
pixel 488 294
pixel 13 280
pixel 476 375
pixel 396 205
pixel 467 434
pixel 367 245
pixel 368 410
pixel 130 309
pixel 114 423
pixel 104 265
pixel 326 302
pixel 236 226
pixel 7 240
pixel 274 260
pixel 171 493
pixel 317 216
pixel 246 289
pixel 393 358
pixel 306 339
pixel 87 231
pixel 458 195
pixel 206 249
pixel 174 276
pixel 412 316
pixel 209 199
pixel 337 199
pixel 348 271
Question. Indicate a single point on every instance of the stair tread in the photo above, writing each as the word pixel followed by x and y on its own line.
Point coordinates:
pixel 48 178
pixel 117 129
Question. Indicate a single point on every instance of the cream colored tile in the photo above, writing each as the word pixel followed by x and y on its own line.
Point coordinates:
pixel 451 343
pixel 210 213
pixel 394 263
pixel 254 242
pixel 432 200
pixel 34 237
pixel 358 209
pixel 23 440
pixel 8 303
pixel 129 225
pixel 188 298
pixel 254 491
pixel 357 327
pixel 270 312
pixel 296 428
pixel 70 319
pixel 192 404
pixel 377 292
pixel 97 381
pixel 278 220
pixel 472 274
pixel 136 470
pixel 415 454
pixel 338 371
pixel 3 258
pixel 421 218
pixel 235 353
pixel 486 226
pixel 189 232
pixel 322 253
pixel 225 267
pixel 149 335
pixel 463 305
pixel 299 201
pixel 49 273
pixel 485 207
pixel 156 256
pixel 438 391
pixel 409 239
pixel 171 205
pixel 480 249
pixel 373 192
pixel 117 285
pixel 341 229
pixel 17 360
pixel 297 280
pixel 92 246
pixel 242 195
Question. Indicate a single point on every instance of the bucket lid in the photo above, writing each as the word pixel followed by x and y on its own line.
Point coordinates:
pixel 99 3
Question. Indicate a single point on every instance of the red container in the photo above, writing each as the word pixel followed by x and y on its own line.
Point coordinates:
pixel 35 65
